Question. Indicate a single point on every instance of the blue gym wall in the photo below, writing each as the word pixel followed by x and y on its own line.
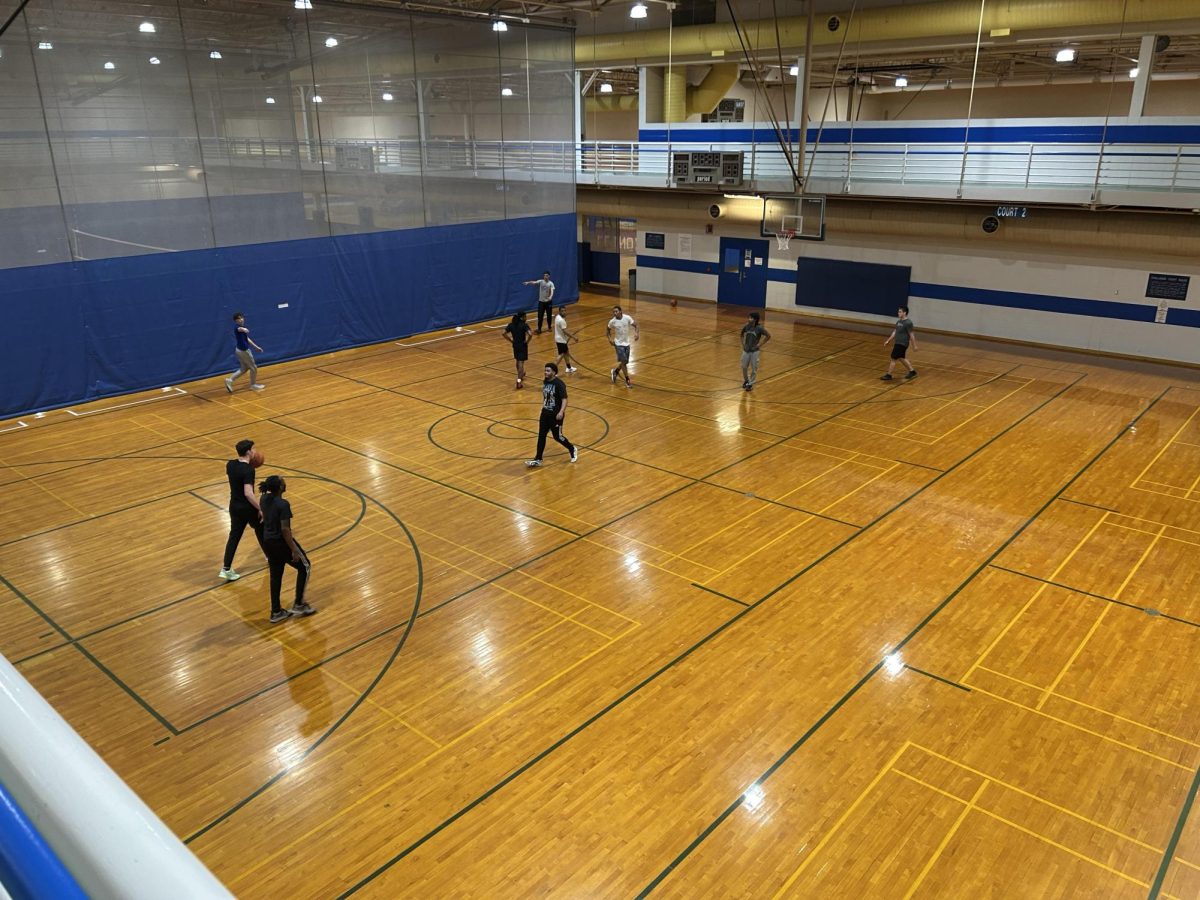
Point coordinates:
pixel 81 330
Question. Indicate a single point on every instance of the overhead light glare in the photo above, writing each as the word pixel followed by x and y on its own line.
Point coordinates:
pixel 606 88
pixel 271 101
pixel 499 25
pixel 388 97
pixel 331 42
pixel 1133 73
pixel 154 60
pixel 794 71
pixel 638 11
pixel 110 65
pixel 506 92
pixel 214 54
pixel 147 28
pixel 303 4
pixel 1066 54
pixel 901 81
pixel 45 45
pixel 317 98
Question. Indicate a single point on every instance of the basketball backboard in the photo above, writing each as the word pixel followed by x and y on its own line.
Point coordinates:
pixel 803 214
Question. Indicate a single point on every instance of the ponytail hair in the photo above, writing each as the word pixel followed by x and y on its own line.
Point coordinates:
pixel 270 485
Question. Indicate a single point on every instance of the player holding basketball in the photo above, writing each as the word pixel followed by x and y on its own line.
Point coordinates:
pixel 618 335
pixel 563 339
pixel 241 349
pixel 243 506
pixel 282 550
pixel 545 299
pixel 517 333
pixel 903 335
pixel 554 407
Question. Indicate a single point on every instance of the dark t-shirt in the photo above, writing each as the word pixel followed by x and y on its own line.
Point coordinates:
pixel 904 329
pixel 752 336
pixel 276 513
pixel 520 334
pixel 554 392
pixel 239 474
pixel 241 337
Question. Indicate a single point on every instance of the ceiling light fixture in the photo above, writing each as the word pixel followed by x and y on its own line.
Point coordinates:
pixel 606 88
pixel 317 98
pixel 499 25
pixel 901 81
pixel 1066 54
pixel 110 65
pixel 794 71
pixel 214 54
pixel 147 28
pixel 303 4
pixel 1133 73
pixel 331 42
pixel 45 45
pixel 271 101
pixel 638 11
pixel 154 60
pixel 506 92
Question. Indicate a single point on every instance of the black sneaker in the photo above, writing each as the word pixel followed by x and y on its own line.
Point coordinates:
pixel 613 374
pixel 912 373
pixel 749 386
pixel 299 610
pixel 885 377
pixel 279 615
pixel 745 385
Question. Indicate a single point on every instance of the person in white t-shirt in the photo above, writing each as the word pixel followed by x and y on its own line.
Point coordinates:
pixel 619 327
pixel 563 339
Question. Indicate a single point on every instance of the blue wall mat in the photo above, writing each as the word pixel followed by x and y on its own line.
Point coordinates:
pixel 860 287
pixel 78 331
pixel 606 267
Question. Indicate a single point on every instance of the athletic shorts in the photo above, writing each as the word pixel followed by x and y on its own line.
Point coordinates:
pixel 521 354
pixel 899 351
pixel 622 353
pixel 562 348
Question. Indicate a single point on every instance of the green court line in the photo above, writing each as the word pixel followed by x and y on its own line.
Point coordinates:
pixel 719 594
pixel 1169 853
pixel 953 684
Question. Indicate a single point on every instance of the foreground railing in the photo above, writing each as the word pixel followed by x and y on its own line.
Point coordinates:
pixel 104 835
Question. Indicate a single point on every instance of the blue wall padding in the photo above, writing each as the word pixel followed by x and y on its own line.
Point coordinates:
pixel 859 287
pixel 82 330
pixel 29 868
pixel 606 267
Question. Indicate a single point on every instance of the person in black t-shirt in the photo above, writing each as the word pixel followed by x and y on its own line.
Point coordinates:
pixel 554 407
pixel 243 506
pixel 281 548
pixel 517 333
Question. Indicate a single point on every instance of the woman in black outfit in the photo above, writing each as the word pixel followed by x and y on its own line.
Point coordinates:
pixel 281 548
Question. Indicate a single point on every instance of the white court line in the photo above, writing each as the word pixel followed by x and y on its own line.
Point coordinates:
pixel 505 325
pixel 447 337
pixel 167 392
pixel 16 427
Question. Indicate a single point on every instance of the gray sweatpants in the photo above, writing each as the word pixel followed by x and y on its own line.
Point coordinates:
pixel 246 361
pixel 750 366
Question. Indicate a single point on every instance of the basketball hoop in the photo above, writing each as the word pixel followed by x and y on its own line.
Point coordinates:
pixel 783 237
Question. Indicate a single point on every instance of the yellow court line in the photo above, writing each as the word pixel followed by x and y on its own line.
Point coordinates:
pixel 1028 603
pixel 554 611
pixel 1065 848
pixel 812 854
pixel 1078 727
pixel 646 562
pixel 1099 709
pixel 37 483
pixel 1099 619
pixel 1164 447
pixel 851 493
pixel 563 590
pixel 859 426
pixel 817 477
pixel 1164 537
pixel 866 459
pixel 1062 809
pixel 1190 865
pixel 389 782
pixel 759 506
pixel 808 518
pixel 1166 484
pixel 1164 494
pixel 984 409
pixel 626 537
pixel 946 838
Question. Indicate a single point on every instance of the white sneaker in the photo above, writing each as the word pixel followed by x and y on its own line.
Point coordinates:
pixel 575 455
pixel 533 463
pixel 257 387
pixel 229 575
pixel 229 385
pixel 571 371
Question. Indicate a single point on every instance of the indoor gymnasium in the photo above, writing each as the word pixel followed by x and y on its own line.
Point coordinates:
pixel 584 448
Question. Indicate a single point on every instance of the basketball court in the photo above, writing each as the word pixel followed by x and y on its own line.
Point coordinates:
pixel 835 637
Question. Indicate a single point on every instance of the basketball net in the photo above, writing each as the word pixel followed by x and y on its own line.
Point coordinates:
pixel 783 237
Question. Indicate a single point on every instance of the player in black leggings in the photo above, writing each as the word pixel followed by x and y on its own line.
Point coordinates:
pixel 281 548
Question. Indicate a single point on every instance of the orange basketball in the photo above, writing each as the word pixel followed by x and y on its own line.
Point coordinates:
pixel 256 458
pixel 674 302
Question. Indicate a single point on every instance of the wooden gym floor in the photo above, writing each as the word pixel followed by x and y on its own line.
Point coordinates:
pixel 835 638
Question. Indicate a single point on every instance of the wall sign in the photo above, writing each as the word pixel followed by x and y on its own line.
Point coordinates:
pixel 655 241
pixel 1168 287
pixel 1012 212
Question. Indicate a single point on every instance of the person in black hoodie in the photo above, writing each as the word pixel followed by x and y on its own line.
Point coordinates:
pixel 281 548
